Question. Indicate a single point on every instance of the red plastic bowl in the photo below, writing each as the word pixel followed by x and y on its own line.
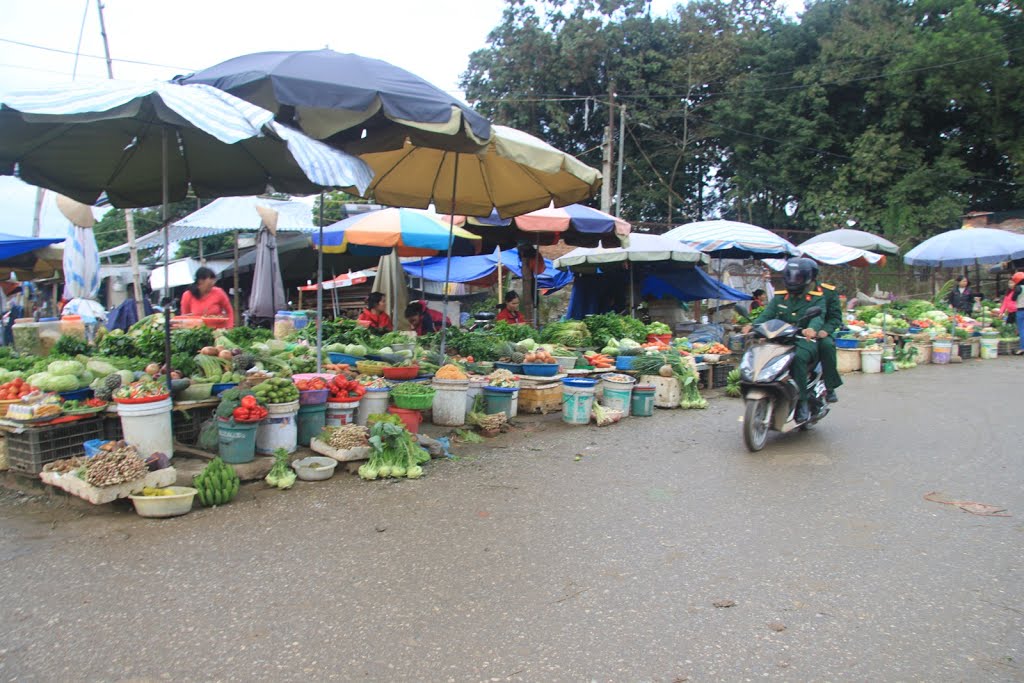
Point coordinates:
pixel 410 372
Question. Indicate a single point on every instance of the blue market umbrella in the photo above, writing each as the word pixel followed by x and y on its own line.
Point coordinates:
pixel 967 247
pixel 16 245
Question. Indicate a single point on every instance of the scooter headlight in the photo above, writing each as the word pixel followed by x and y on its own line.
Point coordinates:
pixel 772 370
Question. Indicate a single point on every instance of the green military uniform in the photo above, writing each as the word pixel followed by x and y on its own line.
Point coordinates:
pixel 791 308
pixel 827 345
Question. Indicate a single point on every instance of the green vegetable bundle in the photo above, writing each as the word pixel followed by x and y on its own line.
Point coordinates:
pixel 567 333
pixel 614 326
pixel 276 390
pixel 395 451
pixel 281 475
pixel 217 483
pixel 412 389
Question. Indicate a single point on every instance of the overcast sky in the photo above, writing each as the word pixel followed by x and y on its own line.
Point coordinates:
pixel 431 38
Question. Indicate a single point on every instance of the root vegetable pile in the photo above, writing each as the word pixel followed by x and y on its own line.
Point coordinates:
pixel 345 437
pixel 117 466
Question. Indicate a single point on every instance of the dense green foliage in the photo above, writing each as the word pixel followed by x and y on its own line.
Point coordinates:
pixel 901 116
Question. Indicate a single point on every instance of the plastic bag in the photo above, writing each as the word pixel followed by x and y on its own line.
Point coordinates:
pixel 209 436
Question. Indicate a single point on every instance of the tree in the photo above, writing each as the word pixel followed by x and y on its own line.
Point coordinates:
pixel 111 230
pixel 334 206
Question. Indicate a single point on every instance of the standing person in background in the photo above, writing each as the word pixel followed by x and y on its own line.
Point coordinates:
pixel 962 298
pixel 510 312
pixel 1018 296
pixel 205 298
pixel 374 316
pixel 1008 308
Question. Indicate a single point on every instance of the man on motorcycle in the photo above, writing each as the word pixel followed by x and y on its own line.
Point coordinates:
pixel 791 305
pixel 826 341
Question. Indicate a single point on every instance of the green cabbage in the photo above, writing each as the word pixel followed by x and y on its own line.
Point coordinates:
pixel 100 368
pixel 34 380
pixel 51 382
pixel 357 350
pixel 65 367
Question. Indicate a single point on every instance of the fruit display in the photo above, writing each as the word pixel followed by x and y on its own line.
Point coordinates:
pixel 343 389
pixel 15 389
pixel 314 384
pixel 276 390
pixel 152 492
pixel 142 389
pixel 217 484
pixel 218 368
pixel 249 410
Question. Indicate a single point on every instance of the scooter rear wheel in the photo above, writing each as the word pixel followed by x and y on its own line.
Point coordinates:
pixel 755 424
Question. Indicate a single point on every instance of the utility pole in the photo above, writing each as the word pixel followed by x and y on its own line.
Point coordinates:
pixel 618 173
pixel 129 217
pixel 37 216
pixel 606 157
pixel 103 34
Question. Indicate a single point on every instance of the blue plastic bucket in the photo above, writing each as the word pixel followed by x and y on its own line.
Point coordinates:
pixel 577 400
pixel 641 404
pixel 338 358
pixel 624 362
pixel 498 400
pixel 236 441
pixel 312 419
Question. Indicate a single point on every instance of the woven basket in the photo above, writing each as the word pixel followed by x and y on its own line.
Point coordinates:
pixel 367 367
pixel 421 402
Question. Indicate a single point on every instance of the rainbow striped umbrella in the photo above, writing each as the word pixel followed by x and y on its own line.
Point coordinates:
pixel 574 218
pixel 412 232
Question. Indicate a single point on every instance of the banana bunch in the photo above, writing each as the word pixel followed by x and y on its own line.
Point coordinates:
pixel 217 483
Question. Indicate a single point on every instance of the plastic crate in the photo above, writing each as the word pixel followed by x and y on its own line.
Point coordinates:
pixel 720 374
pixel 187 424
pixel 29 451
pixel 112 430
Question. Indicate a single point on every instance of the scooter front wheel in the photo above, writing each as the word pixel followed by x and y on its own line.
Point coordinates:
pixel 755 424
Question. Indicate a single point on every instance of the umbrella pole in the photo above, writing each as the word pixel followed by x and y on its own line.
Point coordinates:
pixel 448 263
pixel 320 291
pixel 165 192
pixel 235 287
pixel 501 280
pixel 536 289
pixel 632 303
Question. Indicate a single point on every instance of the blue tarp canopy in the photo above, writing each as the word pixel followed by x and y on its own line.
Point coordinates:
pixel 473 268
pixel 16 245
pixel 689 285
pixel 609 290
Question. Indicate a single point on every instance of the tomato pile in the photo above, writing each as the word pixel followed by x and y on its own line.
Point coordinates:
pixel 249 410
pixel 15 389
pixel 343 389
pixel 315 384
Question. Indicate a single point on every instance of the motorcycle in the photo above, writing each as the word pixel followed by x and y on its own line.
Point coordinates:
pixel 769 391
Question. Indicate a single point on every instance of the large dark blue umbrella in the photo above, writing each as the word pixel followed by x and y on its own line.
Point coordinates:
pixel 336 97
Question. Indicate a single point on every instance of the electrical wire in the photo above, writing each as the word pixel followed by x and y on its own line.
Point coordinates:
pixel 81 34
pixel 69 52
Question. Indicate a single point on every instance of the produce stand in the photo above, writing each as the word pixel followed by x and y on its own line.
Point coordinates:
pixel 107 494
pixel 540 399
pixel 30 447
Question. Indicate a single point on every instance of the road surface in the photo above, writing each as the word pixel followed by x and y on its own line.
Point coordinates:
pixel 521 561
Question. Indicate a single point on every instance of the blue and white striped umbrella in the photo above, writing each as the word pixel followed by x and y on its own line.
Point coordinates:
pixel 126 139
pixel 731 239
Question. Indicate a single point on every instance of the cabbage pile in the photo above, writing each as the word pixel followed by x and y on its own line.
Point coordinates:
pixel 62 375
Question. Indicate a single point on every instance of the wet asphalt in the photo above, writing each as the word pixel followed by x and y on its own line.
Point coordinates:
pixel 557 553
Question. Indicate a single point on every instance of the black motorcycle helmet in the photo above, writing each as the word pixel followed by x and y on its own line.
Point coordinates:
pixel 798 274
pixel 814 268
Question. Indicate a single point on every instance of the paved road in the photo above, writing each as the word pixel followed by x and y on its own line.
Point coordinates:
pixel 520 563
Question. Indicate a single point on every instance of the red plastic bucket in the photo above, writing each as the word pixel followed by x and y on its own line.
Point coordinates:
pixel 411 418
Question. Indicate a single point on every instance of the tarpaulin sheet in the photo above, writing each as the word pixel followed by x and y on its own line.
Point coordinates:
pixel 473 268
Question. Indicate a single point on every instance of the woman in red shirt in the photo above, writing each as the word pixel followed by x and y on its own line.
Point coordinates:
pixel 511 313
pixel 374 316
pixel 204 298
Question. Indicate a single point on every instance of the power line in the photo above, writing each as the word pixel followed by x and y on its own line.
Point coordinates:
pixel 72 53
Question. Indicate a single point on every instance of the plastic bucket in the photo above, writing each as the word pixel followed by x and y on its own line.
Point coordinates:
pixel 617 395
pixel 498 400
pixel 870 362
pixel 373 402
pixel 624 362
pixel 279 429
pixel 340 413
pixel 565 363
pixel 941 351
pixel 147 426
pixel 642 402
pixel 236 441
pixel 989 348
pixel 577 400
pixel 449 407
pixel 475 388
pixel 312 420
pixel 411 418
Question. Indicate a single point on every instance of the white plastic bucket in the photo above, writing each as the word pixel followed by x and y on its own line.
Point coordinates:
pixel 279 429
pixel 341 413
pixel 989 348
pixel 577 402
pixel 565 363
pixel 617 395
pixel 870 361
pixel 449 407
pixel 515 403
pixel 147 426
pixel 373 402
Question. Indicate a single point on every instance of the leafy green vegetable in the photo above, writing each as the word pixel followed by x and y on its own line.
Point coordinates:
pixel 614 326
pixel 70 345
